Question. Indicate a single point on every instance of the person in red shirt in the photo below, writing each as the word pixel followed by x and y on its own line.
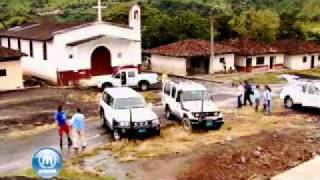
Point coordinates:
pixel 63 127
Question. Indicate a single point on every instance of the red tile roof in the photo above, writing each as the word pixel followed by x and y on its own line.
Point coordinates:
pixel 190 48
pixel 40 31
pixel 248 47
pixel 45 31
pixel 8 54
pixel 295 46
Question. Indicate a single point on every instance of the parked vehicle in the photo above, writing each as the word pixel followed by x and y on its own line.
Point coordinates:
pixel 190 103
pixel 129 77
pixel 302 92
pixel 124 111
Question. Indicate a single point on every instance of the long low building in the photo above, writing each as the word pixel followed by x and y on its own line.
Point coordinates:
pixel 10 69
pixel 299 55
pixel 191 57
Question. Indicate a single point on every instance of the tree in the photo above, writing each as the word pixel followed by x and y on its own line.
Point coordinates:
pixel 262 25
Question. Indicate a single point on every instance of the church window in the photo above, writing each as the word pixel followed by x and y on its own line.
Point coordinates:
pixel 45 51
pixel 19 44
pixel 136 14
pixel 119 55
pixel 31 48
pixel 70 56
pixel 9 43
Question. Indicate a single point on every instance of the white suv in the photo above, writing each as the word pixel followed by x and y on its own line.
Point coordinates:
pixel 302 92
pixel 124 111
pixel 190 102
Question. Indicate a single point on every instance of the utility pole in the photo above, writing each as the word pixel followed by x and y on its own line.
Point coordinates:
pixel 212 33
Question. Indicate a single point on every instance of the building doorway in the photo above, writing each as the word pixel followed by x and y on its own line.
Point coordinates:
pixel 272 61
pixel 312 62
pixel 198 65
pixel 101 61
pixel 249 64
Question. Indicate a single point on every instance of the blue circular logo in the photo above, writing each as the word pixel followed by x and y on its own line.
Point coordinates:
pixel 47 163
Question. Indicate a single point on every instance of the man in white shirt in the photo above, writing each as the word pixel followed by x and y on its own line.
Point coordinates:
pixel 240 94
pixel 78 125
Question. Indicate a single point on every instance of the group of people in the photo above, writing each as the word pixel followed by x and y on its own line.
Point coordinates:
pixel 73 129
pixel 246 92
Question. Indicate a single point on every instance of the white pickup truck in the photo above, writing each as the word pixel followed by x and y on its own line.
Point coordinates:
pixel 129 77
pixel 190 103
pixel 124 111
pixel 301 92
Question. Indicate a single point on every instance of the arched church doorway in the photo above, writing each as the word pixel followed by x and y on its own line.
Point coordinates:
pixel 101 61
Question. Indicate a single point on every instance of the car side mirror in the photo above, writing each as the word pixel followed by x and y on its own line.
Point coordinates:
pixel 211 98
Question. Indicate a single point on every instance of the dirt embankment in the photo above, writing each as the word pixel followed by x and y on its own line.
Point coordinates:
pixel 23 110
pixel 263 155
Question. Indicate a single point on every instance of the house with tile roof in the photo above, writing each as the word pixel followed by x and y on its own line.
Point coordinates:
pixel 10 69
pixel 255 56
pixel 190 57
pixel 299 54
pixel 68 52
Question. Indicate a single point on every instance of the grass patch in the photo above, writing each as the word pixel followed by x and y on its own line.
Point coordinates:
pixel 273 77
pixel 265 78
pixel 312 73
pixel 71 174
pixel 152 96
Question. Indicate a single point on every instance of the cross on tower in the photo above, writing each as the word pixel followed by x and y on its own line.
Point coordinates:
pixel 99 9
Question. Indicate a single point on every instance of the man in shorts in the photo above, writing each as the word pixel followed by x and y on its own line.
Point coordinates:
pixel 63 127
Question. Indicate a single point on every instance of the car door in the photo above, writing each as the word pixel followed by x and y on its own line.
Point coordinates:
pixel 116 80
pixel 108 109
pixel 312 97
pixel 175 103
pixel 297 92
pixel 131 78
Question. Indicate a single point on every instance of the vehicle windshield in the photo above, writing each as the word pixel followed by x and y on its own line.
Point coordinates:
pixel 195 95
pixel 127 103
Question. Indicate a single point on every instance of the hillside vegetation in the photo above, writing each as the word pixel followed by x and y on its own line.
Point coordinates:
pixel 165 21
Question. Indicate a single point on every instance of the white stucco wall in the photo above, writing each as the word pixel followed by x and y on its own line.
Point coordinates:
pixel 170 65
pixel 295 62
pixel 13 80
pixel 217 66
pixel 241 60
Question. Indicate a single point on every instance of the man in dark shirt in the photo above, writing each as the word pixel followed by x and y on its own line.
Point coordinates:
pixel 247 93
pixel 63 127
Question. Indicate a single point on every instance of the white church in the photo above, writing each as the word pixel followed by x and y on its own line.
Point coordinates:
pixel 65 52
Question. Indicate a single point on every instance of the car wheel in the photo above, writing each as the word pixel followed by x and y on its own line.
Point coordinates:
pixel 186 123
pixel 106 85
pixel 168 113
pixel 288 102
pixel 116 135
pixel 144 86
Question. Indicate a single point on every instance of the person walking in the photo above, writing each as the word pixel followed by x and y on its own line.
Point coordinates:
pixel 78 125
pixel 257 97
pixel 268 99
pixel 247 93
pixel 63 127
pixel 240 92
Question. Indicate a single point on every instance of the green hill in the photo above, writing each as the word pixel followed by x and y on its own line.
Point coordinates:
pixel 165 21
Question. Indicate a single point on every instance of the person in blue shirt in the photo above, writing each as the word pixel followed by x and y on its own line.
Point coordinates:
pixel 63 127
pixel 78 124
